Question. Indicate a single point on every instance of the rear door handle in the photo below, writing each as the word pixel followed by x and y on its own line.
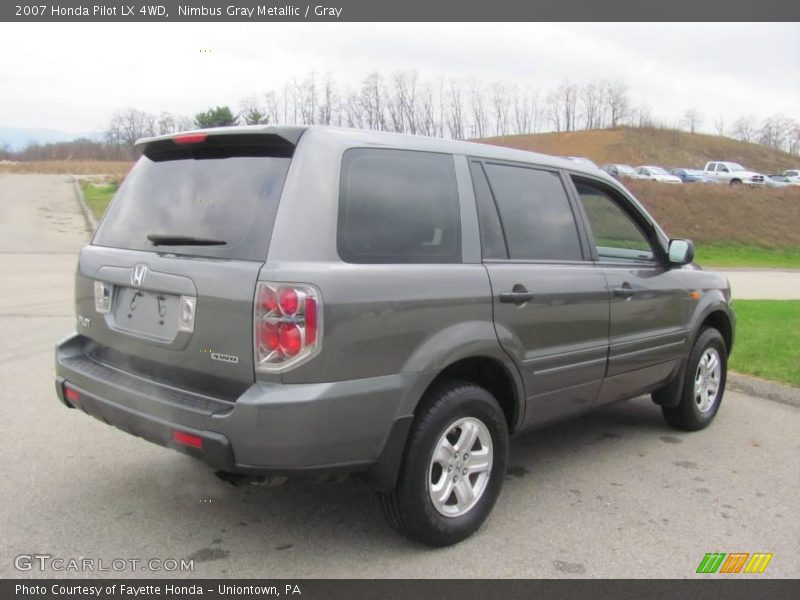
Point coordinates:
pixel 518 295
pixel 624 291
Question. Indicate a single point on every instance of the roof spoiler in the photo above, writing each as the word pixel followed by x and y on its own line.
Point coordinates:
pixel 206 143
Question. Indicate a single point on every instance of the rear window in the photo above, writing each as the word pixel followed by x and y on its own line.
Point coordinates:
pixel 224 195
pixel 398 206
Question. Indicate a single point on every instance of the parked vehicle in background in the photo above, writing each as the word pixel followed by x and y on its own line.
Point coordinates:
pixel 692 176
pixel 653 173
pixel 285 301
pixel 619 170
pixel 583 160
pixel 777 181
pixel 793 175
pixel 732 173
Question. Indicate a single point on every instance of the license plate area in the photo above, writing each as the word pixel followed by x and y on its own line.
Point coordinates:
pixel 143 313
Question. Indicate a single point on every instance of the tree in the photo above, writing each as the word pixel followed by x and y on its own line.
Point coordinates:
pixel 617 102
pixel 128 125
pixel 591 100
pixel 219 116
pixel 253 113
pixel 719 125
pixel 692 119
pixel 744 128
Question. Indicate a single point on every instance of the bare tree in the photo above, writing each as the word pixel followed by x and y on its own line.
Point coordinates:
pixel 372 102
pixel 525 106
pixel 775 131
pixel 455 114
pixel 617 102
pixel 478 108
pixel 328 101
pixel 591 102
pixel 719 125
pixel 427 108
pixel 554 110
pixel 692 119
pixel 128 125
pixel 745 128
pixel 500 106
pixel 793 138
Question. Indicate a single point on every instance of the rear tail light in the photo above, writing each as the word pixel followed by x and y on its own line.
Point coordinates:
pixel 287 330
pixel 103 293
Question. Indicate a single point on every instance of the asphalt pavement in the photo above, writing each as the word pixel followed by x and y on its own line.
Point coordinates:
pixel 613 494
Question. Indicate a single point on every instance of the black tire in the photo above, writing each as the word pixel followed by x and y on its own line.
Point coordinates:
pixel 736 182
pixel 409 507
pixel 690 414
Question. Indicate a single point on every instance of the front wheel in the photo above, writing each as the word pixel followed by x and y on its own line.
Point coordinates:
pixel 704 384
pixel 453 467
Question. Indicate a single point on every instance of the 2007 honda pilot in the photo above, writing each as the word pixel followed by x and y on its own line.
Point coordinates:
pixel 287 300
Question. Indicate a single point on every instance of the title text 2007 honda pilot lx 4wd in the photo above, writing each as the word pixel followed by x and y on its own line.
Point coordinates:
pixel 284 300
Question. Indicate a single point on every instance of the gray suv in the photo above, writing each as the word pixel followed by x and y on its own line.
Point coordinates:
pixel 282 301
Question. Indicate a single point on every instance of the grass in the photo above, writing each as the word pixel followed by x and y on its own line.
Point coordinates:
pixel 731 255
pixel 115 169
pixel 98 195
pixel 768 340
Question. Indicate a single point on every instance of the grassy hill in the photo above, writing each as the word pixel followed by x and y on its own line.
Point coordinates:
pixel 666 148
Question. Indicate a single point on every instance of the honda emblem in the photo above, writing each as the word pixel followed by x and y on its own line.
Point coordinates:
pixel 138 275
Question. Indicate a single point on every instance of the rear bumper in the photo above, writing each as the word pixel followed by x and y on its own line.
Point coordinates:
pixel 272 429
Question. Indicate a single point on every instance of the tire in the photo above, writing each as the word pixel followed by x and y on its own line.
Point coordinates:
pixel 736 182
pixel 451 414
pixel 699 403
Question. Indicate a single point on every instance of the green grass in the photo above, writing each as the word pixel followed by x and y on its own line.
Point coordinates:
pixel 98 196
pixel 768 339
pixel 738 255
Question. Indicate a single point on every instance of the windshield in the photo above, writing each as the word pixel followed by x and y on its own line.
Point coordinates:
pixel 626 170
pixel 229 199
pixel 657 171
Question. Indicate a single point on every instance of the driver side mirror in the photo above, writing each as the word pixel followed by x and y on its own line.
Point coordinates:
pixel 681 252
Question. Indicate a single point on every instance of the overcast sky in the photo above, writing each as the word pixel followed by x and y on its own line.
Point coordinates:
pixel 72 76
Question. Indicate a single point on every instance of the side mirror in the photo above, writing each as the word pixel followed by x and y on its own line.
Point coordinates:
pixel 681 252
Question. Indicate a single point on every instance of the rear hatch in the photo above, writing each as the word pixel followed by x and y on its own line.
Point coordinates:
pixel 165 290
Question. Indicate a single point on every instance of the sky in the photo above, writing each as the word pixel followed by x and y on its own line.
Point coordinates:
pixel 72 76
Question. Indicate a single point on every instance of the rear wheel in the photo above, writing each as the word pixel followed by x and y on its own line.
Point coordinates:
pixel 453 467
pixel 703 385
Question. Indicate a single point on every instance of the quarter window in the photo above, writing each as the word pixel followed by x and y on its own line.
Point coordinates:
pixel 535 213
pixel 398 206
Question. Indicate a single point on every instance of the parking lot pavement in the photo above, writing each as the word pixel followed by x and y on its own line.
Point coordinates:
pixel 612 494
pixel 764 284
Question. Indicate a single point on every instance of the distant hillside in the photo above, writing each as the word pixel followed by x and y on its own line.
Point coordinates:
pixel 665 148
pixel 18 138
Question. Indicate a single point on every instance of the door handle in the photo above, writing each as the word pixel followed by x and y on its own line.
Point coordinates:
pixel 624 291
pixel 518 295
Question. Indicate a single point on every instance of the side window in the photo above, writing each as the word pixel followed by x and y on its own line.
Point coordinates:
pixel 712 167
pixel 535 213
pixel 616 235
pixel 493 243
pixel 398 206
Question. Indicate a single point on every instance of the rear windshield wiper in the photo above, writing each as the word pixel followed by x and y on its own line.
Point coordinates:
pixel 182 240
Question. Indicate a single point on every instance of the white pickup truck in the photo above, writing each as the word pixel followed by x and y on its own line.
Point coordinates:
pixel 793 175
pixel 732 173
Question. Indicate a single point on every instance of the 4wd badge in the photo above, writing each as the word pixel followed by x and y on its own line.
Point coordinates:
pixel 224 357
